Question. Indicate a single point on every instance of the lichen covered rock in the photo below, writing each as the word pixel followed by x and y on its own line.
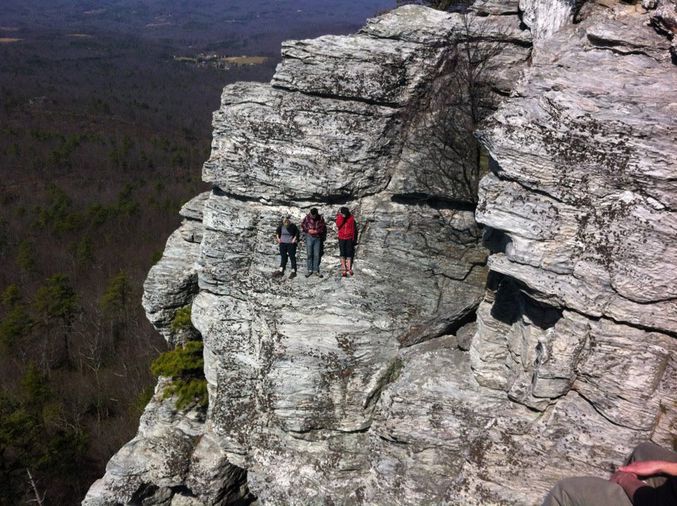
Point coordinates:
pixel 432 375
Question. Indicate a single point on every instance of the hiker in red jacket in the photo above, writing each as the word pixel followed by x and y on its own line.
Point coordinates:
pixel 346 236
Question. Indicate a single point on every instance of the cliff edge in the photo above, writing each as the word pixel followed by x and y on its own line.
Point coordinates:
pixel 475 357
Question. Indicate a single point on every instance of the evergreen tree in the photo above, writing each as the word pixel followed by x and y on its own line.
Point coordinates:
pixel 56 303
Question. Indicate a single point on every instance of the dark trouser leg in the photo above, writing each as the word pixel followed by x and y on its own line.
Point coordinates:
pixel 309 253
pixel 350 252
pixel 342 249
pixel 292 255
pixel 316 254
pixel 342 256
pixel 284 252
pixel 586 491
pixel 314 249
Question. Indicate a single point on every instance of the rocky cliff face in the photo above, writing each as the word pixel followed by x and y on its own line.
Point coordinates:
pixel 382 388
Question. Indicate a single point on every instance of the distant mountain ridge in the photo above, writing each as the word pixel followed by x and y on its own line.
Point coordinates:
pixel 200 22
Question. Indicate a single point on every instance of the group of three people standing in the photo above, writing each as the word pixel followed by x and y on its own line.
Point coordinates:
pixel 315 232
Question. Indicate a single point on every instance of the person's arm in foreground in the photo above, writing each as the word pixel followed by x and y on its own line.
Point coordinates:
pixel 639 492
pixel 650 468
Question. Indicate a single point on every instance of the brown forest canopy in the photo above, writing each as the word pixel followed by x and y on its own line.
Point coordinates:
pixel 102 137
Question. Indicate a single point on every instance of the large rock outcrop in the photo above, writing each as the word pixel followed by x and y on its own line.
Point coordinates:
pixel 432 375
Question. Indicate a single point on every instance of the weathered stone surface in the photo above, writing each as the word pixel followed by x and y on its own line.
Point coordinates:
pixel 580 320
pixel 583 195
pixel 354 390
pixel 495 7
pixel 157 458
pixel 500 49
pixel 665 17
pixel 382 71
pixel 192 209
pixel 211 478
pixel 434 28
pixel 270 143
pixel 172 283
pixel 465 334
pixel 324 344
pixel 627 36
pixel 386 65
pixel 546 17
pixel 429 422
pixel 537 354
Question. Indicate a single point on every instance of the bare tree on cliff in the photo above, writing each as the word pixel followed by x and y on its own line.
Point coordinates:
pixel 447 154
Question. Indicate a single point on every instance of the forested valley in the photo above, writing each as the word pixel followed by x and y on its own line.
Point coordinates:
pixel 102 137
pixel 96 161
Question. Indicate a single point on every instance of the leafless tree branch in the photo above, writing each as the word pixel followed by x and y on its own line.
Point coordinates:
pixel 443 141
pixel 40 500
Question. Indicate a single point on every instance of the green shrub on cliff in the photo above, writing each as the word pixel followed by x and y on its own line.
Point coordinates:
pixel 185 367
pixel 181 320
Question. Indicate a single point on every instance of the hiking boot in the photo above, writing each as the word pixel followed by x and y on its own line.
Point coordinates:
pixel 308 274
pixel 278 273
pixel 292 275
pixel 319 274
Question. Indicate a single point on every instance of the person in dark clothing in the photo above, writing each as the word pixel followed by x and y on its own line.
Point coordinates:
pixel 314 228
pixel 649 479
pixel 287 236
pixel 345 222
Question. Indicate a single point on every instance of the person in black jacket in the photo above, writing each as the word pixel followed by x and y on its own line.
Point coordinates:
pixel 287 236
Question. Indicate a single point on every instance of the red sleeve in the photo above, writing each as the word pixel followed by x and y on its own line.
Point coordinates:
pixel 339 219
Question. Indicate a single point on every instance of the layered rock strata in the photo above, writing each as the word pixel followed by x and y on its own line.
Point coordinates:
pixel 381 388
pixel 580 215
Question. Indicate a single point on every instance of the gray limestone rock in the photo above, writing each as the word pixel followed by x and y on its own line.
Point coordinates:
pixel 430 422
pixel 352 390
pixel 377 70
pixel 277 145
pixel 580 207
pixel 465 334
pixel 171 284
pixel 495 7
pixel 587 208
pixel 665 17
pixel 324 345
pixel 157 459
pixel 546 17
pixel 433 28
pixel 628 36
